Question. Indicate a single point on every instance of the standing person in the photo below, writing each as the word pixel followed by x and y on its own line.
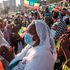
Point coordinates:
pixel 7 32
pixel 14 38
pixel 49 21
pixel 66 20
pixel 66 12
pixel 5 49
pixel 38 54
pixel 48 13
pixel 62 14
pixel 64 52
pixel 55 15
pixel 60 28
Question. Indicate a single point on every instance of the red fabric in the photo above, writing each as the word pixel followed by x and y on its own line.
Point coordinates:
pixel 1 66
pixel 57 9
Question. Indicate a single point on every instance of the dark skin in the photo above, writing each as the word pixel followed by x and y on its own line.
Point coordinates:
pixel 6 53
pixel 31 29
pixel 65 39
pixel 65 45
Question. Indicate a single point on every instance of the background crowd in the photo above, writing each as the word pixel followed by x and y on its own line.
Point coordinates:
pixel 36 39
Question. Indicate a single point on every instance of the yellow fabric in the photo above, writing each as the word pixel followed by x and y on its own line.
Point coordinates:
pixel 58 44
pixel 26 2
pixel 65 67
pixel 36 4
pixel 24 28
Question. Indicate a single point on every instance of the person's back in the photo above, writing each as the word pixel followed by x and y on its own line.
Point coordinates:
pixel 60 28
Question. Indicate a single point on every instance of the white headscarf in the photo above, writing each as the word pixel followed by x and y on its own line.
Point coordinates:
pixel 3 41
pixel 43 32
pixel 46 39
pixel 39 54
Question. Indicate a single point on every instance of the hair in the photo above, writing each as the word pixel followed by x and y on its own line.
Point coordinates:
pixel 56 14
pixel 65 9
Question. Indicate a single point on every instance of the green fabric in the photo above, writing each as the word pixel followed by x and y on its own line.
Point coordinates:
pixel 50 8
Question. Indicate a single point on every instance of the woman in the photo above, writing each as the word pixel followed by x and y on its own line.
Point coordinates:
pixel 60 28
pixel 6 52
pixel 7 32
pixel 64 52
pixel 5 49
pixel 2 40
pixel 38 54
pixel 49 21
pixel 55 15
pixel 65 46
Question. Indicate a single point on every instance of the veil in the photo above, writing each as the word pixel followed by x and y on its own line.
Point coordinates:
pixel 43 32
pixel 46 39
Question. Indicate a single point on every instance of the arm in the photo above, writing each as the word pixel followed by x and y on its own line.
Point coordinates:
pixel 65 45
pixel 66 12
pixel 23 52
pixel 20 56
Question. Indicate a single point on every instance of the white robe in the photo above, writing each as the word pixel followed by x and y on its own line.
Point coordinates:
pixel 37 58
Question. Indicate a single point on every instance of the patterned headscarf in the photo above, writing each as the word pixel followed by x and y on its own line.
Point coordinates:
pixel 60 28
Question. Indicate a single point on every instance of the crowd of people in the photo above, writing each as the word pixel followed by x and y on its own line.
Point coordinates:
pixel 36 39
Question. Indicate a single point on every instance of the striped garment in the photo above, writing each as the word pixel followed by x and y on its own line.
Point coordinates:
pixel 60 28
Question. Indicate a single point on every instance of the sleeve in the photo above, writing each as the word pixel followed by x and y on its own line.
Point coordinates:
pixel 23 52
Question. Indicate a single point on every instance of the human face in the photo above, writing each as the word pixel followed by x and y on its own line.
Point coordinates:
pixel 31 29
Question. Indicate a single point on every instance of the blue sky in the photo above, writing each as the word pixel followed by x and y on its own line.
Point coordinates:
pixel 17 1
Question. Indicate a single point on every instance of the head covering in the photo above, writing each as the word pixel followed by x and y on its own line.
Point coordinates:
pixel 46 39
pixel 60 28
pixel 65 17
pixel 43 32
pixel 34 55
pixel 3 42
